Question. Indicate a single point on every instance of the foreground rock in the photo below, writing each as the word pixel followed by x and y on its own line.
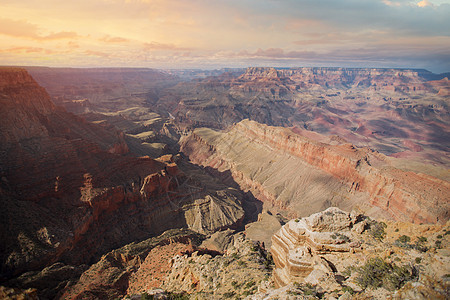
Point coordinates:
pixel 127 268
pixel 333 253
pixel 300 246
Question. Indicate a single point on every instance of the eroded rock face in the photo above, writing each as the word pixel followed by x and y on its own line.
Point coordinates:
pixel 298 246
pixel 301 175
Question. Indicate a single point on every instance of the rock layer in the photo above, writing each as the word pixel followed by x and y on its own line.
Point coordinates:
pixel 297 247
pixel 304 176
pixel 390 110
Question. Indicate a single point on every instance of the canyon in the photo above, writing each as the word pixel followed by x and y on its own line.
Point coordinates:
pixel 302 176
pixel 394 111
pixel 130 182
pixel 72 190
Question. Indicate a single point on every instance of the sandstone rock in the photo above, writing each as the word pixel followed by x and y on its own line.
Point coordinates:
pixel 263 229
pixel 298 175
pixel 298 246
pixel 332 219
pixel 236 273
pixel 346 296
pixel 219 241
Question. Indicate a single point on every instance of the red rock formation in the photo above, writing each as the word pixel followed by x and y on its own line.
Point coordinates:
pixel 62 178
pixel 134 267
pixel 395 79
pixel 402 195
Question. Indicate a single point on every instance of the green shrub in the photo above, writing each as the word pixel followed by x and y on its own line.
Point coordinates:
pixel 348 289
pixel 404 239
pixel 379 273
pixel 178 296
pixel 418 260
pixel 422 239
pixel 268 262
pixel 242 263
pixel 377 230
pixel 229 294
pixel 249 284
pixel 234 284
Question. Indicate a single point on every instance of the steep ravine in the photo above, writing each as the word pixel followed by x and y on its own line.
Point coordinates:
pixel 302 176
pixel 71 190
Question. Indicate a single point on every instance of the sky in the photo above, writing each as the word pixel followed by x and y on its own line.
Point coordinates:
pixel 212 34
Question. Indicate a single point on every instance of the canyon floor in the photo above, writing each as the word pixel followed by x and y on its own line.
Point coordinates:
pixel 256 183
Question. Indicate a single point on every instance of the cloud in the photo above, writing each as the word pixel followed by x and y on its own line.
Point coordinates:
pixel 97 53
pixel 155 46
pixel 114 39
pixel 59 35
pixel 28 50
pixel 234 32
pixel 424 3
pixel 24 29
pixel 18 28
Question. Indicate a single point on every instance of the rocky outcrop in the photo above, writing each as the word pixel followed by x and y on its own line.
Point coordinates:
pixel 120 269
pixel 297 247
pixel 303 176
pixel 237 272
pixel 337 254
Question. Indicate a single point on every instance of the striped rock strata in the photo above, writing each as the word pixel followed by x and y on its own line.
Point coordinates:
pixel 298 247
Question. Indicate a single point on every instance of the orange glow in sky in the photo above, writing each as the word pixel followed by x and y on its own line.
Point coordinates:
pixel 226 33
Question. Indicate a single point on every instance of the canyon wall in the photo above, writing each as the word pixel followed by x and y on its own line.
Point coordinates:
pixel 303 176
pixel 71 190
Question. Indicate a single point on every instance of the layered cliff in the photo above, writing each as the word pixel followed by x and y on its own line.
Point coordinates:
pixel 71 190
pixel 303 176
pixel 394 111
pixel 302 78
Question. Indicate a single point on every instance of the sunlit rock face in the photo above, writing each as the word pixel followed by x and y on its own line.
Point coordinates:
pixel 303 174
pixel 298 247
